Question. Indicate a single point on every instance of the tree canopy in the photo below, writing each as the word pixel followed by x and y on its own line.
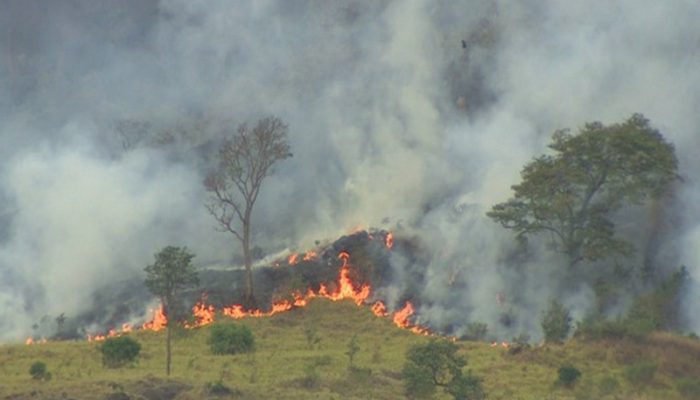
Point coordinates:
pixel 244 162
pixel 171 273
pixel 572 193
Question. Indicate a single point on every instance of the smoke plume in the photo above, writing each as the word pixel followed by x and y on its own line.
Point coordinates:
pixel 414 116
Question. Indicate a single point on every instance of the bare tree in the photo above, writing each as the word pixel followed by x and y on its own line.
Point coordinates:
pixel 244 162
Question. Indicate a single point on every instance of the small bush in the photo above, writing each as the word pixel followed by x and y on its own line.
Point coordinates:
pixel 568 376
pixel 231 339
pixel 641 373
pixel 476 331
pixel 217 389
pixel 688 388
pixel 556 323
pixel 118 351
pixel 39 371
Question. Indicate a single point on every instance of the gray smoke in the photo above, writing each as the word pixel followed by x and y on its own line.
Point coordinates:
pixel 108 115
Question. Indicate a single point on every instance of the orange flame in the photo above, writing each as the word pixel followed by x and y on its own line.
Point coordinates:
pixel 29 341
pixel 203 314
pixel 401 320
pixel 310 255
pixel 293 259
pixel 158 322
pixel 343 289
pixel 379 309
pixel 389 241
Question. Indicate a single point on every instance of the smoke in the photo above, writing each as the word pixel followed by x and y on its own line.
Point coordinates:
pixel 392 124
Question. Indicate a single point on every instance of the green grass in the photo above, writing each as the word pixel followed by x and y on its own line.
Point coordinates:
pixel 284 358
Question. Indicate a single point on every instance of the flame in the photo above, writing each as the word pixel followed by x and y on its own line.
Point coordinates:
pixel 293 259
pixel 401 316
pixel 343 289
pixel 158 322
pixel 203 314
pixel 389 241
pixel 29 341
pixel 310 255
pixel 401 320
pixel 379 309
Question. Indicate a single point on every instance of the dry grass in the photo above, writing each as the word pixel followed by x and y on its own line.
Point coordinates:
pixel 279 367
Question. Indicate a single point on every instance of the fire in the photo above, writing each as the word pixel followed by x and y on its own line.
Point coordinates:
pixel 343 289
pixel 158 322
pixel 401 320
pixel 345 256
pixel 310 255
pixel 379 309
pixel 401 316
pixel 389 241
pixel 29 341
pixel 203 314
pixel 293 259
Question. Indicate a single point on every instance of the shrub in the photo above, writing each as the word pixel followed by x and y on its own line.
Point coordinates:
pixel 231 339
pixel 641 373
pixel 436 364
pixel 568 376
pixel 39 371
pixel 688 388
pixel 476 331
pixel 556 323
pixel 118 351
pixel 217 389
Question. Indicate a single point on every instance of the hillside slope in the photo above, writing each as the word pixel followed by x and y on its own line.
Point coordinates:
pixel 300 354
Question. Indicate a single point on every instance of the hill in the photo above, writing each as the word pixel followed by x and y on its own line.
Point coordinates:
pixel 300 354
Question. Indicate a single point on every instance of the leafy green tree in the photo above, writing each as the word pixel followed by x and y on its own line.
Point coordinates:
pixel 244 162
pixel 436 364
pixel 171 273
pixel 572 193
pixel 556 323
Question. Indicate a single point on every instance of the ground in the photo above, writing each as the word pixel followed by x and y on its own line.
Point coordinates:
pixel 301 354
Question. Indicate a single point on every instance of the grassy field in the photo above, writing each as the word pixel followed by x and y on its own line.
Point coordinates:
pixel 301 355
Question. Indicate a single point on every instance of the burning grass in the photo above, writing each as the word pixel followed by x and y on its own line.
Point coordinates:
pixel 284 359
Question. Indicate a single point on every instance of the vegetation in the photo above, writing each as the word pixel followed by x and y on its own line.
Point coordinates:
pixel 436 364
pixel 171 273
pixel 229 338
pixel 476 331
pixel 244 162
pixel 39 372
pixel 556 323
pixel 641 373
pixel 568 376
pixel 572 193
pixel 118 351
pixel 277 366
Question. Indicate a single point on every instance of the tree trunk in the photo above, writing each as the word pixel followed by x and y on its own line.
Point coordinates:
pixel 249 300
pixel 167 351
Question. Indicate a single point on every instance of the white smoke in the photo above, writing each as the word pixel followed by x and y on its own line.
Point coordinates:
pixel 371 92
